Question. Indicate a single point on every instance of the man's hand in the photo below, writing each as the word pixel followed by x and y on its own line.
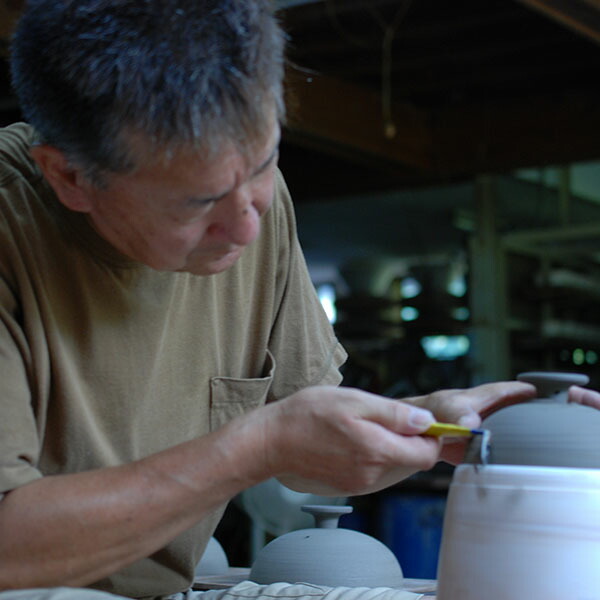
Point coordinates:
pixel 584 396
pixel 468 407
pixel 343 441
pixel 75 529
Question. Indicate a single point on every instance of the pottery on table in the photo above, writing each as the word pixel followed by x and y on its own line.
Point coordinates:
pixel 546 431
pixel 514 532
pixel 327 555
pixel 527 524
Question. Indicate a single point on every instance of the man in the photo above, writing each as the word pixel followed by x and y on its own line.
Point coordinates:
pixel 162 348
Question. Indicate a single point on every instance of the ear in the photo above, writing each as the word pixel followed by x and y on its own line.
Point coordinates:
pixel 67 181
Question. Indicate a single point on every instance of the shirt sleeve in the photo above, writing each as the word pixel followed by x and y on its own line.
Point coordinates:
pixel 303 342
pixel 21 349
pixel 19 440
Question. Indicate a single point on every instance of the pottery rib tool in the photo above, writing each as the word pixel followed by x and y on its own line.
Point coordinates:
pixel 451 430
pixel 479 449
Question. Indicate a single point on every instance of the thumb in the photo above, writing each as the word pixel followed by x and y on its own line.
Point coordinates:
pixel 419 419
pixel 407 419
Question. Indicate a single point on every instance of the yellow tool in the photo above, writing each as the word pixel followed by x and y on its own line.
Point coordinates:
pixel 451 430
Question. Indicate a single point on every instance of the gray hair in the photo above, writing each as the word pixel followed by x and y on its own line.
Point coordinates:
pixel 92 74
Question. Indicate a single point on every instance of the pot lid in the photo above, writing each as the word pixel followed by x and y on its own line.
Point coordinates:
pixel 327 555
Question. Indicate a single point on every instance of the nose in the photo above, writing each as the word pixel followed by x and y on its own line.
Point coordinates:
pixel 236 218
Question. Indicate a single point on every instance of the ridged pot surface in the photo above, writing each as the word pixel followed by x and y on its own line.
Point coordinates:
pixel 546 431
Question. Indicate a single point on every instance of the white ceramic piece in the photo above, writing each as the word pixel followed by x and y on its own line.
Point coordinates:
pixel 527 524
pixel 327 555
pixel 277 509
pixel 214 560
pixel 521 532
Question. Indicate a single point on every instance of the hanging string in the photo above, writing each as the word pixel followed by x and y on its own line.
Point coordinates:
pixel 389 33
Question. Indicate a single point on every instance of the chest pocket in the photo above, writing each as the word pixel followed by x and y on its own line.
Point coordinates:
pixel 231 397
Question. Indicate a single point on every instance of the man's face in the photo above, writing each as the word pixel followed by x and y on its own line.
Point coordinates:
pixel 188 214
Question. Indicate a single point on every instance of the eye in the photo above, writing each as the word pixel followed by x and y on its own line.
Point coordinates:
pixel 195 208
pixel 201 203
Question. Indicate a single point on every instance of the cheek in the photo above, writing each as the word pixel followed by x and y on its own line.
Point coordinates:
pixel 188 237
pixel 168 241
pixel 263 196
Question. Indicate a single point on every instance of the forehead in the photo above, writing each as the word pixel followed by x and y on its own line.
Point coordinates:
pixel 219 166
pixel 146 151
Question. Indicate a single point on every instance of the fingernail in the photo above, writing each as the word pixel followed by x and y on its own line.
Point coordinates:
pixel 419 417
pixel 471 420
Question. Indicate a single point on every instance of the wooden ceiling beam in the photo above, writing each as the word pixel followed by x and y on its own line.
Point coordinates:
pixel 529 132
pixel 582 16
pixel 344 117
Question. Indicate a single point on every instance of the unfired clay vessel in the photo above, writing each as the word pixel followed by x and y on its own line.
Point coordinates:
pixel 327 555
pixel 527 528
pixel 521 532
pixel 214 561
pixel 546 431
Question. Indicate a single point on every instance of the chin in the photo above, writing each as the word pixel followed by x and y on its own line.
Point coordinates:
pixel 213 267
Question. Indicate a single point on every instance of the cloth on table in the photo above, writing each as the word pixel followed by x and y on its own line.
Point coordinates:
pixel 249 590
pixel 246 590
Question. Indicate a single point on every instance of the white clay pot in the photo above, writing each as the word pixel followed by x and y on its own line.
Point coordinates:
pixel 214 561
pixel 327 555
pixel 521 532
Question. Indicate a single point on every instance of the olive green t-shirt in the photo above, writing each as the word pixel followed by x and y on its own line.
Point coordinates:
pixel 104 361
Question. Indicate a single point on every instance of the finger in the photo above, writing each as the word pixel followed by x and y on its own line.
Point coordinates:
pixel 494 396
pixel 453 450
pixel 422 452
pixel 400 417
pixel 394 448
pixel 468 407
pixel 395 415
pixel 458 408
pixel 579 395
pixel 451 406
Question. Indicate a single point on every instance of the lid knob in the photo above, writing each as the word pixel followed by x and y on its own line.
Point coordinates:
pixel 553 385
pixel 326 517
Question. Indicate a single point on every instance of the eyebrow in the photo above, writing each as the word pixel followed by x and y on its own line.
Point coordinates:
pixel 269 160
